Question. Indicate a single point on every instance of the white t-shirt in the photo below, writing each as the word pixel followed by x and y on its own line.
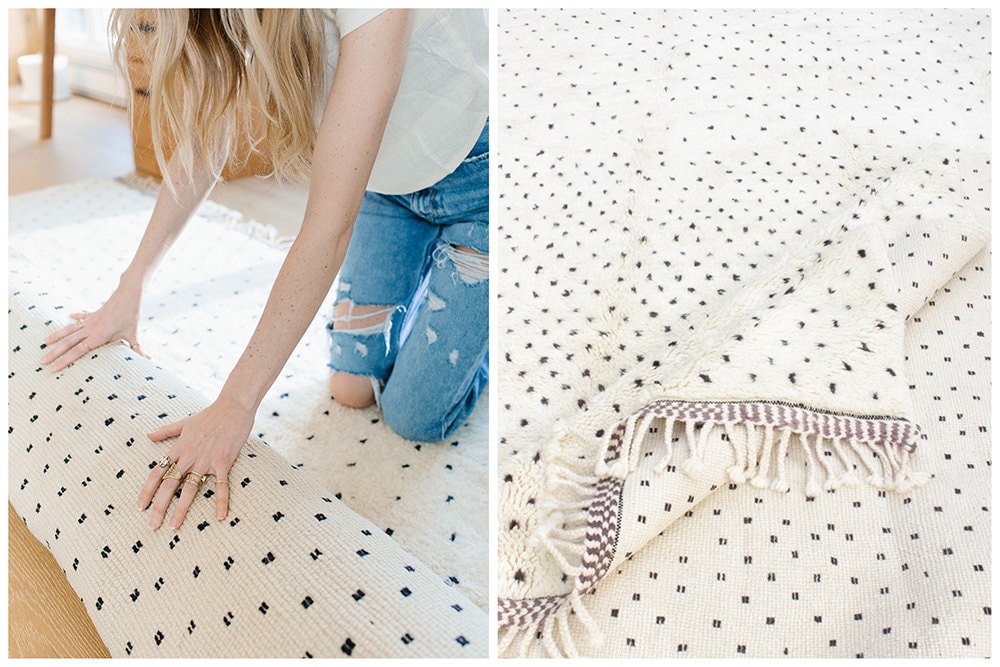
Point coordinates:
pixel 443 98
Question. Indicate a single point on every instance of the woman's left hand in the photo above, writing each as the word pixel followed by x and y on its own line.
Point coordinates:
pixel 208 443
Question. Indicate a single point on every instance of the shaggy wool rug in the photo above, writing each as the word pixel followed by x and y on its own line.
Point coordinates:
pixel 69 243
pixel 721 232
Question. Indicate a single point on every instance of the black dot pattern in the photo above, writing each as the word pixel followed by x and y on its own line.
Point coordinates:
pixel 859 572
pixel 715 207
pixel 280 577
pixel 212 303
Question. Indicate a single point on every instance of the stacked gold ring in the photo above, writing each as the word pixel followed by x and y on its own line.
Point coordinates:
pixel 173 472
pixel 195 478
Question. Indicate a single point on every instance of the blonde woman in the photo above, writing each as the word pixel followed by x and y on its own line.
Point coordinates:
pixel 398 205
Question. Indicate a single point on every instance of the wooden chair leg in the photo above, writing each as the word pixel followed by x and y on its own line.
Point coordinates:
pixel 48 71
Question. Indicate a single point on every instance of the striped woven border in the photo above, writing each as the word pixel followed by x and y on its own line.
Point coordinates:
pixel 872 429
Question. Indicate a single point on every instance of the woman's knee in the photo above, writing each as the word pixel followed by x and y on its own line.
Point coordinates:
pixel 353 391
pixel 414 412
pixel 359 350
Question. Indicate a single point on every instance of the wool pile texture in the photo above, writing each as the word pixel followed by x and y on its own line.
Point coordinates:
pixel 743 311
pixel 342 538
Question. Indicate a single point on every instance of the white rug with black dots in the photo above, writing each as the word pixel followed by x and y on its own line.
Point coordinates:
pixel 744 333
pixel 70 243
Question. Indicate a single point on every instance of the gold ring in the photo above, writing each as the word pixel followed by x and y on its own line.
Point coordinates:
pixel 222 481
pixel 173 472
pixel 195 478
pixel 164 462
pixel 79 324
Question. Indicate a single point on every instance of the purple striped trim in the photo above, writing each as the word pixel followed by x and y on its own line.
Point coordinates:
pixel 600 544
pixel 873 430
pixel 527 612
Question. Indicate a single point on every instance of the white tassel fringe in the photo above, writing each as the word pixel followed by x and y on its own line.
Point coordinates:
pixel 839 462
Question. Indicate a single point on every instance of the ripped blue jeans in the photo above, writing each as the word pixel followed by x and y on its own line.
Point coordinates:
pixel 412 303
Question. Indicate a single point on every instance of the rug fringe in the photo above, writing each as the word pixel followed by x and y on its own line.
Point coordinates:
pixel 882 445
pixel 580 526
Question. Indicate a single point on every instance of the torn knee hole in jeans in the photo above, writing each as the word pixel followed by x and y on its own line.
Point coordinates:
pixel 364 320
pixel 470 265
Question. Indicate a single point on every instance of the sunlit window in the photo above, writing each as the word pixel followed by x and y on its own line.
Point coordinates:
pixel 82 35
pixel 83 27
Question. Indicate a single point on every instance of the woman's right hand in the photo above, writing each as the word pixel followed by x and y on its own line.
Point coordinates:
pixel 118 319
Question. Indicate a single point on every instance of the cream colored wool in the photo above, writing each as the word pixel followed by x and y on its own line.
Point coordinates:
pixel 286 579
pixel 746 572
pixel 292 572
pixel 717 227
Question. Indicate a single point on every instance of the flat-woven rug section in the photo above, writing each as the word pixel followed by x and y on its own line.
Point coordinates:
pixel 293 571
pixel 720 234
pixel 198 313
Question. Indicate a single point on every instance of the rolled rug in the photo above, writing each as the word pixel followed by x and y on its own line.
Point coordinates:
pixel 291 572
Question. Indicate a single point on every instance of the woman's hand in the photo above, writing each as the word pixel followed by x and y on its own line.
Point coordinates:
pixel 208 443
pixel 118 319
pixel 369 69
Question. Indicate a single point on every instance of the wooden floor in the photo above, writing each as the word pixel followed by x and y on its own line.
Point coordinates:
pixel 45 618
pixel 90 140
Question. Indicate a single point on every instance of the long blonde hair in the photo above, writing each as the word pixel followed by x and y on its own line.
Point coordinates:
pixel 216 74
